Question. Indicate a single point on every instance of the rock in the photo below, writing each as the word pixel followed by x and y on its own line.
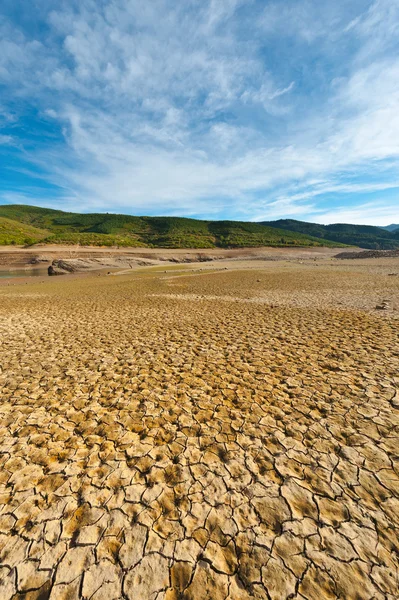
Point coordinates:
pixel 382 306
pixel 52 271
pixel 203 258
pixel 395 400
pixel 61 267
pixel 65 265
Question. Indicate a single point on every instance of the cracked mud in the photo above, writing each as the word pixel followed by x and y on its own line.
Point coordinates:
pixel 155 447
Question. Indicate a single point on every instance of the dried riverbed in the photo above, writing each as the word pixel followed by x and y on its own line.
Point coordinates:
pixel 210 435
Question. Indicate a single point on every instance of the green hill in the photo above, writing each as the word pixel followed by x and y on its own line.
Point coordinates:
pixel 365 236
pixel 14 232
pixel 58 227
pixel 21 224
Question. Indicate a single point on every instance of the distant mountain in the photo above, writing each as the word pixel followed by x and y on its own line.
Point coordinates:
pixel 30 224
pixel 391 227
pixel 365 236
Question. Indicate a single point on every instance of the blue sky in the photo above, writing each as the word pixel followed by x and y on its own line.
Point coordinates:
pixel 239 109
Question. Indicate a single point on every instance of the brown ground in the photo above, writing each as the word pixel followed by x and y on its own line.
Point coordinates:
pixel 18 257
pixel 226 433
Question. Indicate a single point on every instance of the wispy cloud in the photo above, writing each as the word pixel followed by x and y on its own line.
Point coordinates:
pixel 6 139
pixel 227 108
pixel 369 213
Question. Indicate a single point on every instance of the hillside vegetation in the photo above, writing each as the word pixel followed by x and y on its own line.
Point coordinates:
pixel 57 227
pixel 365 236
pixel 24 225
pixel 14 232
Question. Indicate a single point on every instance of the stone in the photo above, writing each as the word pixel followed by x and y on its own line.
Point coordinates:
pixel 53 271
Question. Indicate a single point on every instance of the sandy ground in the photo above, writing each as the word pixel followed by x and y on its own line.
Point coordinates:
pixel 18 264
pixel 23 257
pixel 208 431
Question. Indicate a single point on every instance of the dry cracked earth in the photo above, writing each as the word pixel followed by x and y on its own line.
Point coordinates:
pixel 185 436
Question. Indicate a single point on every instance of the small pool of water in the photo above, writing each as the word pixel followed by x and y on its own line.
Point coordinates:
pixel 23 273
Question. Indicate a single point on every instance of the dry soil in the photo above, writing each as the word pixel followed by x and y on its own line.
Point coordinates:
pixel 228 431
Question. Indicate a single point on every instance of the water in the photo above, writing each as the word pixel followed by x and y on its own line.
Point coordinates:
pixel 23 273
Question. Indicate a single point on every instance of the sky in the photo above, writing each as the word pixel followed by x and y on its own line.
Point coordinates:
pixel 241 109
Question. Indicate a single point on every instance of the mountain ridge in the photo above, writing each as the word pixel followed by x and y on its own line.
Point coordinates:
pixel 108 229
pixel 33 224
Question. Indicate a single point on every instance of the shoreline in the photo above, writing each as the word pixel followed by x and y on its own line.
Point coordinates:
pixel 105 261
pixel 11 256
